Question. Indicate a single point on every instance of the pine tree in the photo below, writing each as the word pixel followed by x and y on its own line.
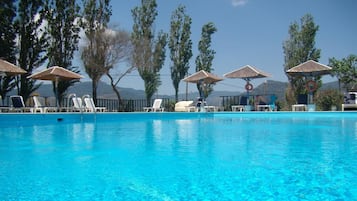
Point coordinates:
pixel 7 43
pixel 205 58
pixel 96 18
pixel 32 42
pixel 63 29
pixel 180 46
pixel 149 54
pixel 299 48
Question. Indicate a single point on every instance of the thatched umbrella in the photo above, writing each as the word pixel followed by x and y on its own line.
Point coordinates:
pixel 247 73
pixel 310 69
pixel 10 69
pixel 55 74
pixel 202 77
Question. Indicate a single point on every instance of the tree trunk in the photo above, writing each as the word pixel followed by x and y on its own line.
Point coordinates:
pixel 116 91
pixel 176 95
pixel 94 90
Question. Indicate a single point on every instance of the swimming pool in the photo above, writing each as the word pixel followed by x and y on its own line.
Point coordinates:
pixel 179 156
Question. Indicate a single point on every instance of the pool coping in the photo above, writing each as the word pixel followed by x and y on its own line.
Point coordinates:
pixel 20 119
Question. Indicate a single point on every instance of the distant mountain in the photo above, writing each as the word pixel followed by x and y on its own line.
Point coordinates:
pixel 104 90
pixel 278 88
pixel 330 85
pixel 272 87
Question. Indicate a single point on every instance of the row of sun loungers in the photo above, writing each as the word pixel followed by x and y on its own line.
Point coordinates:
pixel 350 103
pixel 88 105
pixel 182 106
pixel 84 104
pixel 261 105
pixel 189 106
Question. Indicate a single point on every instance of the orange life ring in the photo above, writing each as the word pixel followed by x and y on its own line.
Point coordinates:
pixel 249 87
pixel 311 86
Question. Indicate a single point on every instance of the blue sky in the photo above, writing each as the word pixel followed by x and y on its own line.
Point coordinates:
pixel 249 32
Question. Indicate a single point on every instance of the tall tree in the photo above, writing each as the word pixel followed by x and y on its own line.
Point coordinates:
pixel 32 42
pixel 63 28
pixel 205 57
pixel 116 49
pixel 346 71
pixel 148 52
pixel 96 16
pixel 7 43
pixel 180 46
pixel 298 48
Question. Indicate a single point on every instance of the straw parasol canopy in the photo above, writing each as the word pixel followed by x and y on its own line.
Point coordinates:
pixel 10 69
pixel 247 73
pixel 202 77
pixel 309 68
pixel 55 73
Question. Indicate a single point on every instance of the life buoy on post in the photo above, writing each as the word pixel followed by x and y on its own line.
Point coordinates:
pixel 249 87
pixel 311 86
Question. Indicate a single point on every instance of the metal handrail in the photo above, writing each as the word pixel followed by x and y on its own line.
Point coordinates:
pixel 69 97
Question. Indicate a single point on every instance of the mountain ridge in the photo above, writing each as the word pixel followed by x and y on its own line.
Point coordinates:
pixel 105 91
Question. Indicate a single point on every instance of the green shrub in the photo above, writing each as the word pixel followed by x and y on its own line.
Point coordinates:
pixel 326 99
pixel 170 106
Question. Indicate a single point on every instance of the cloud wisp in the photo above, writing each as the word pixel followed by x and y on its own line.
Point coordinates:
pixel 237 3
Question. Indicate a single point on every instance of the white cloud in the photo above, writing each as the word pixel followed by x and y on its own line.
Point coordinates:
pixel 236 3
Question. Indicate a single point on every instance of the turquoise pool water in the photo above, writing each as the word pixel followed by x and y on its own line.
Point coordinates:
pixel 169 156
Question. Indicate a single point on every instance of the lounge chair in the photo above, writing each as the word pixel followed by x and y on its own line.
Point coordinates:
pixel 39 108
pixel 242 104
pixel 350 102
pixel 208 108
pixel 156 106
pixel 18 104
pixel 270 106
pixel 201 105
pixel 301 103
pixel 78 105
pixel 90 106
pixel 211 108
pixel 184 106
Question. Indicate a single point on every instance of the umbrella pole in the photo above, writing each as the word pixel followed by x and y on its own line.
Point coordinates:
pixel 310 95
pixel 310 99
pixel 248 99
pixel 56 92
pixel 186 90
